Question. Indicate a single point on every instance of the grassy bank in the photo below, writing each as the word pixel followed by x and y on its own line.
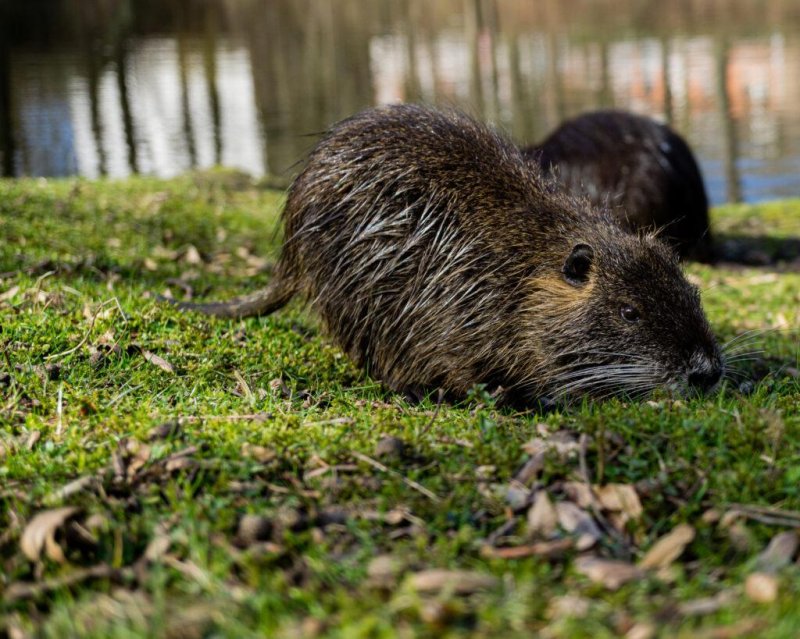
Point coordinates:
pixel 165 474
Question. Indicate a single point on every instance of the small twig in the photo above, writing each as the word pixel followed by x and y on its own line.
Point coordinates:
pixel 767 515
pixel 23 590
pixel 60 409
pixel 408 482
pixel 428 426
pixel 89 332
pixel 191 419
pixel 330 422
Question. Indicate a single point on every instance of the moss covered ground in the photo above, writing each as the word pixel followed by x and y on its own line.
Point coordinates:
pixel 164 474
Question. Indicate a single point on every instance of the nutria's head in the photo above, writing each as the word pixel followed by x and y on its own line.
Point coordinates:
pixel 622 318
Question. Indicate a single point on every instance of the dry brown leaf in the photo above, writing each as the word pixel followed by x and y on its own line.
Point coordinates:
pixel 7 295
pixel 156 360
pixel 761 587
pixel 383 571
pixel 706 605
pixel 261 454
pixel 33 439
pixel 668 548
pixel 542 516
pixel 547 549
pixel 459 582
pixel 577 521
pixel 562 442
pixel 620 498
pixel 138 454
pixel 611 497
pixel 40 533
pixel 72 488
pixel 157 547
pixel 568 606
pixel 530 469
pixel 641 630
pixel 579 492
pixel 191 255
pixel 611 573
pixel 779 552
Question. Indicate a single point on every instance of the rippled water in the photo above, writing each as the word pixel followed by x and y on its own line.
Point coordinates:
pixel 110 87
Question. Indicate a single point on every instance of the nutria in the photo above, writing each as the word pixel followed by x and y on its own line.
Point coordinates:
pixel 439 258
pixel 641 169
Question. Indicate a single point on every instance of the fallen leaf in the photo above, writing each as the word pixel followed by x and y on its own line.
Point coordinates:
pixel 779 552
pixel 191 255
pixel 137 454
pixel 40 534
pixel 562 442
pixel 641 630
pixel 568 606
pixel 542 516
pixel 517 496
pixel 620 498
pixel 547 549
pixel 530 469
pixel 577 521
pixel 33 439
pixel 459 582
pixel 7 295
pixel 761 587
pixel 72 488
pixel 611 573
pixel 706 605
pixel 261 454
pixel 383 571
pixel 156 360
pixel 579 492
pixel 668 548
pixel 157 547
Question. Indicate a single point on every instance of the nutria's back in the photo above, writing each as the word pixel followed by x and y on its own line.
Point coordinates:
pixel 439 258
pixel 636 166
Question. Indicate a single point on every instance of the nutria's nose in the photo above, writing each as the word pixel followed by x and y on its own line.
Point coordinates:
pixel 704 373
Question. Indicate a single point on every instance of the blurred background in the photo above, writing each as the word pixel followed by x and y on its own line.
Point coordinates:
pixel 113 87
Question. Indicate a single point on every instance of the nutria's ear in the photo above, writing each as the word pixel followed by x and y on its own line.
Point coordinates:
pixel 578 264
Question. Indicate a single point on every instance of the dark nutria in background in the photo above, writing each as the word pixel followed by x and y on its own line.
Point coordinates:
pixel 439 258
pixel 640 169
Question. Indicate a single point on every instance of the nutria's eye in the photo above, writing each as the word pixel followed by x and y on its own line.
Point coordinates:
pixel 630 314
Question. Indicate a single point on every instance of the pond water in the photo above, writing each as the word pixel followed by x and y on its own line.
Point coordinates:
pixel 113 87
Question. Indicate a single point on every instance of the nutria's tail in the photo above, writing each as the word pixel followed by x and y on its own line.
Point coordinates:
pixel 262 302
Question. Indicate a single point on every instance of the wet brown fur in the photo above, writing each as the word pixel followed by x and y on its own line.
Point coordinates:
pixel 439 258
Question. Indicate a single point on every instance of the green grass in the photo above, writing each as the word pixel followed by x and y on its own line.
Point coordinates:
pixel 80 264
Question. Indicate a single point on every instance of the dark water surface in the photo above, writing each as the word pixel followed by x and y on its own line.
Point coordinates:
pixel 111 87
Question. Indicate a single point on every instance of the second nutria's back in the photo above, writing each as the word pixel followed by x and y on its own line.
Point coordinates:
pixel 640 168
pixel 439 258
